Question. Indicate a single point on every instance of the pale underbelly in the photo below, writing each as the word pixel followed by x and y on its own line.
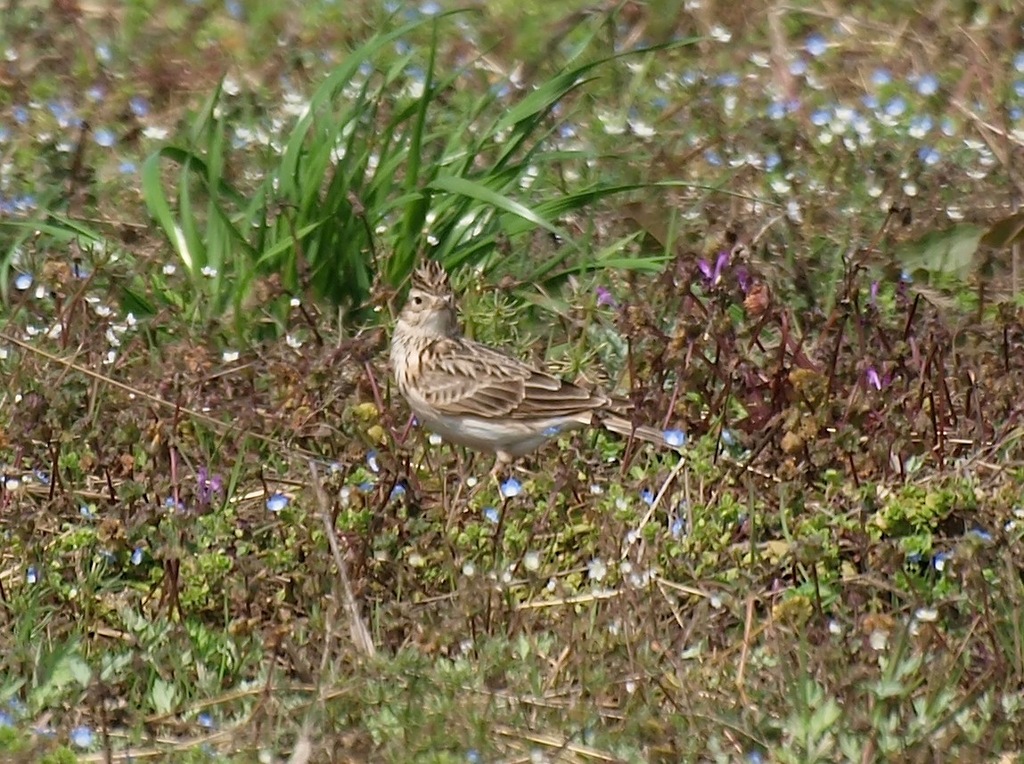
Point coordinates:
pixel 516 438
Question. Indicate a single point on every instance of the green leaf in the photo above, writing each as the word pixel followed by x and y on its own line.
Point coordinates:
pixel 949 251
pixel 137 303
pixel 163 696
pixel 61 670
pixel 482 193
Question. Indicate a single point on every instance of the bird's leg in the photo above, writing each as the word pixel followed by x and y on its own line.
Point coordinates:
pixel 469 486
pixel 466 486
pixel 502 460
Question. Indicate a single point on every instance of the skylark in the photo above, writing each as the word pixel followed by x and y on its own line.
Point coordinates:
pixel 480 397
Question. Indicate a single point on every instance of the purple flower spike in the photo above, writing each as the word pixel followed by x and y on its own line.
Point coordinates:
pixel 873 379
pixel 743 279
pixel 714 274
pixel 605 298
pixel 207 486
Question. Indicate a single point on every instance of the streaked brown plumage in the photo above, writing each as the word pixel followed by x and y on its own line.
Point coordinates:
pixel 478 396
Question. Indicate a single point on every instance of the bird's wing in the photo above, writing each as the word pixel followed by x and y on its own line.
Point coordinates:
pixel 462 378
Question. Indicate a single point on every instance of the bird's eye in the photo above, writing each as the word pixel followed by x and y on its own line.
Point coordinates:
pixel 417 301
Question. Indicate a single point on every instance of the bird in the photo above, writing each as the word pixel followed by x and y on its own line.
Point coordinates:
pixel 481 397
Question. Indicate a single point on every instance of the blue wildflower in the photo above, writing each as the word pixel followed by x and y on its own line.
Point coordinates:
pixel 928 85
pixel 881 77
pixel 511 488
pixel 929 155
pixel 921 125
pixel 174 506
pixel 81 737
pixel 63 112
pixel 674 438
pixel 816 45
pixel 677 527
pixel 277 502
pixel 139 106
pixel 980 533
pixel 895 107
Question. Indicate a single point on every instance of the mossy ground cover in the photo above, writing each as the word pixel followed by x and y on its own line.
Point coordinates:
pixel 788 234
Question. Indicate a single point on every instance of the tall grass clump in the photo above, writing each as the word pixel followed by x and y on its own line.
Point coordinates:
pixel 389 159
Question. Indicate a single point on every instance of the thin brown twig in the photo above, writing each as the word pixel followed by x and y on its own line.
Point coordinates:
pixel 359 631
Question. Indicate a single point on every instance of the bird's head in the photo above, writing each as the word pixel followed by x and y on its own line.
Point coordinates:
pixel 430 306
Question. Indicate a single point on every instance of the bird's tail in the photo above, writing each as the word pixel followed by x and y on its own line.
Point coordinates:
pixel 622 426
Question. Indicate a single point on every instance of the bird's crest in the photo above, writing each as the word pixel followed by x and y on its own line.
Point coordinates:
pixel 431 277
